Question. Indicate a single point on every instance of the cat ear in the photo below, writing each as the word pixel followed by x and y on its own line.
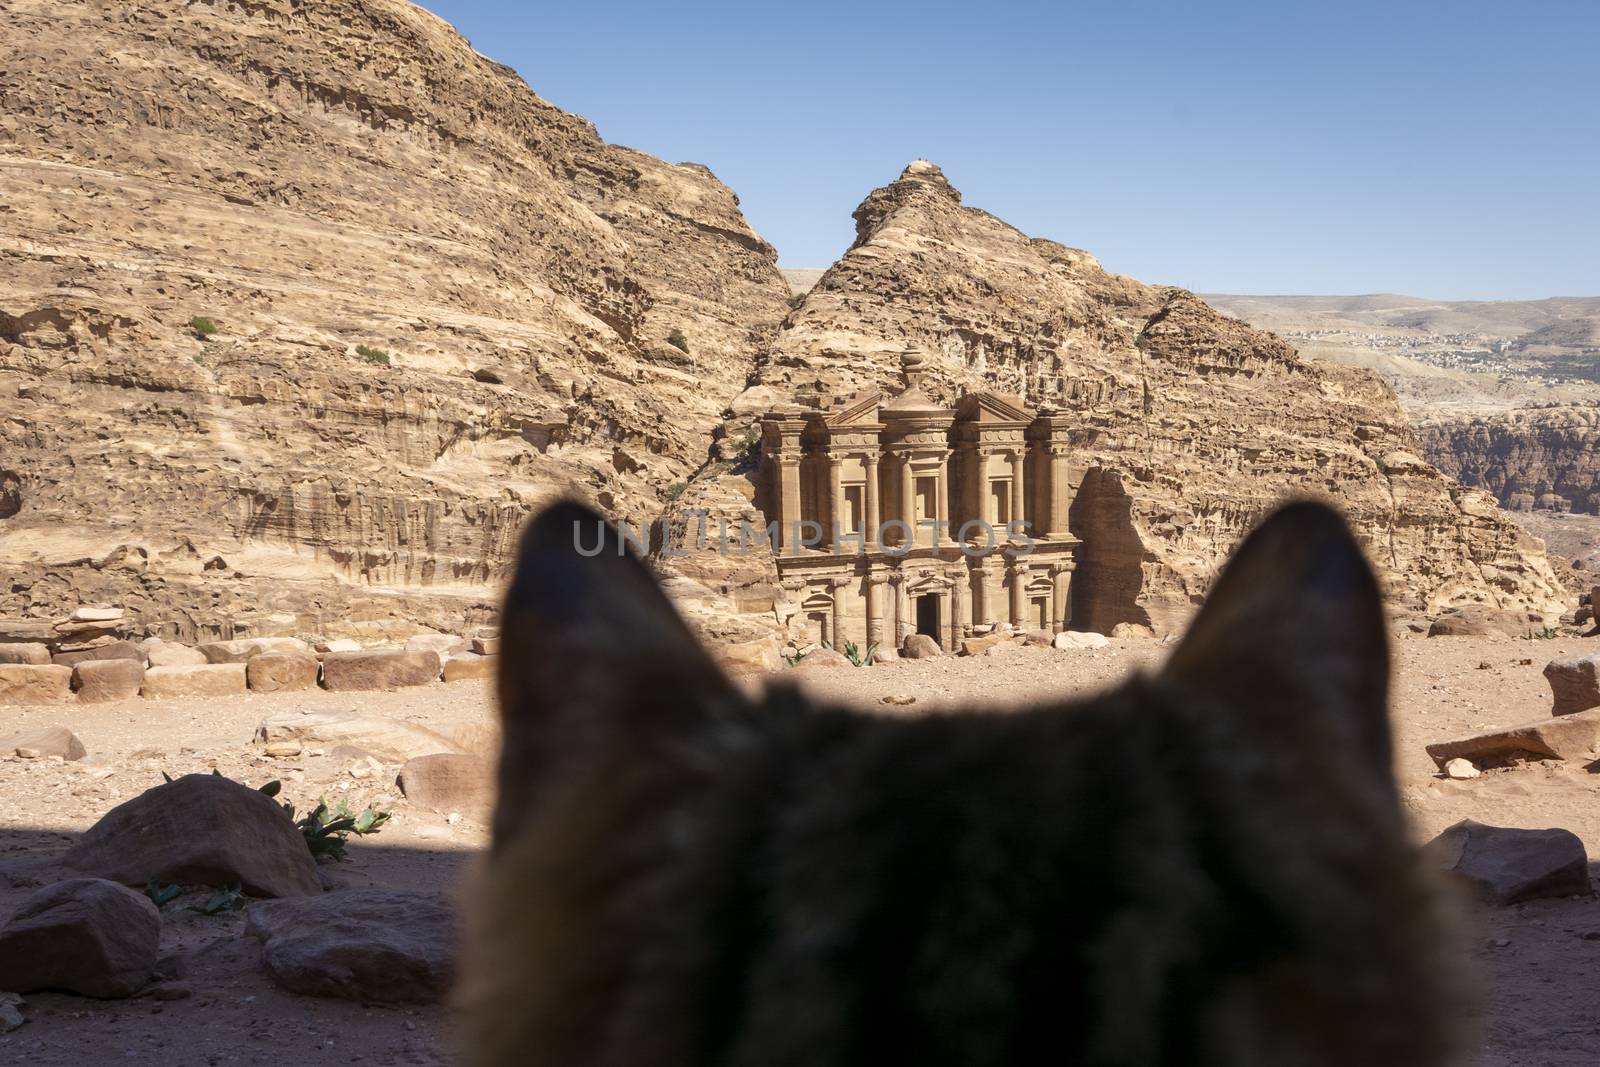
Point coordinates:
pixel 1294 627
pixel 593 657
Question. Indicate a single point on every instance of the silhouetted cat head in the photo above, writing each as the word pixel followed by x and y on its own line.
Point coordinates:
pixel 1206 866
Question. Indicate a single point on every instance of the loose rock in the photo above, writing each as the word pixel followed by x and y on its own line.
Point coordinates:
pixel 100 681
pixel 386 946
pixel 281 672
pixel 24 653
pixel 1574 683
pixel 212 680
pixel 1459 768
pixel 26 683
pixel 354 671
pixel 113 650
pixel 85 935
pixel 170 654
pixel 823 659
pixel 1507 866
pixel 43 743
pixel 467 665
pixel 1569 737
pixel 390 739
pixel 1071 639
pixel 447 781
pixel 199 830
pixel 241 650
pixel 920 646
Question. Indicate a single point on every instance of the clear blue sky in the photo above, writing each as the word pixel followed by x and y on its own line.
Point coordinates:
pixel 1441 149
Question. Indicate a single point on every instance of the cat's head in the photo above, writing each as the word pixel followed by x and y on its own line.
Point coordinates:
pixel 677 866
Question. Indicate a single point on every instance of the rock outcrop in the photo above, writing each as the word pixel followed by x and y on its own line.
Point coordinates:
pixel 1544 457
pixel 303 307
pixel 1189 424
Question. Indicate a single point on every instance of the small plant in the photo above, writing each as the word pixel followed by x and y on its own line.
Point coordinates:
pixel 791 661
pixel 229 898
pixel 1544 633
pixel 325 829
pixel 199 358
pixel 375 356
pixel 677 340
pixel 203 327
pixel 796 300
pixel 675 490
pixel 858 658
pixel 161 895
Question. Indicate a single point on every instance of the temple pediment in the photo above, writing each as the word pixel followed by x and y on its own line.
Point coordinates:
pixel 992 408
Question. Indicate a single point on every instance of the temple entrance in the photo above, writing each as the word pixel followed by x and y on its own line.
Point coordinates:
pixel 928 615
pixel 1041 612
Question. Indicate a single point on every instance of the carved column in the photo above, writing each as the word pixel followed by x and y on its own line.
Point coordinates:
pixel 941 504
pixel 978 491
pixel 980 594
pixel 1061 595
pixel 908 503
pixel 897 590
pixel 789 519
pixel 835 501
pixel 1060 492
pixel 1019 582
pixel 874 519
pixel 1017 501
pixel 957 616
pixel 841 598
pixel 875 608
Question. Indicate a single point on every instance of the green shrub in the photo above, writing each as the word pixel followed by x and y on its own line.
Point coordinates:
pixel 203 327
pixel 796 300
pixel 373 355
pixel 675 490
pixel 677 340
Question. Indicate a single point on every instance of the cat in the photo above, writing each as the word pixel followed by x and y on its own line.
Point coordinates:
pixel 1206 866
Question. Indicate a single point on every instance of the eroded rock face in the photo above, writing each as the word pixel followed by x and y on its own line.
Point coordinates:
pixel 312 178
pixel 1189 425
pixel 1546 457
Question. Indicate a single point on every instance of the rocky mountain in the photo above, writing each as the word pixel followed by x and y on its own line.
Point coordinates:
pixel 1546 458
pixel 1189 423
pixel 304 306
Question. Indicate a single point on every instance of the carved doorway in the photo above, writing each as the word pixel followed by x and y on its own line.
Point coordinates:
pixel 928 616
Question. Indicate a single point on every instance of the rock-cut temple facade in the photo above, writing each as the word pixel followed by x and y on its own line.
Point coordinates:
pixel 898 516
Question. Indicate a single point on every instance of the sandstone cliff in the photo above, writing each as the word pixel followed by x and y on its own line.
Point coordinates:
pixel 1546 457
pixel 438 301
pixel 1190 423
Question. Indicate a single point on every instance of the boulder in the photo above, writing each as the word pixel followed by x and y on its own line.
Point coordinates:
pixel 1123 630
pixel 444 644
pixel 1072 639
pixel 199 830
pixel 823 659
pixel 1569 737
pixel 241 650
pixel 282 672
pixel 42 743
pixel 973 646
pixel 1478 620
pixel 1507 866
pixel 112 650
pixel 211 680
pixel 478 738
pixel 447 781
pixel 467 665
pixel 100 681
pixel 355 671
pixel 390 739
pixel 170 654
pixel 741 657
pixel 24 652
pixel 375 945
pixel 486 646
pixel 1461 769
pixel 1038 638
pixel 920 646
pixel 27 683
pixel 1574 683
pixel 85 935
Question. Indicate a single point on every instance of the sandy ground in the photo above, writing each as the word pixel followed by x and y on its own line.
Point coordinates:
pixel 1540 962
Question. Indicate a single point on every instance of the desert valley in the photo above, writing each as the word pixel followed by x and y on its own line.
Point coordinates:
pixel 306 308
